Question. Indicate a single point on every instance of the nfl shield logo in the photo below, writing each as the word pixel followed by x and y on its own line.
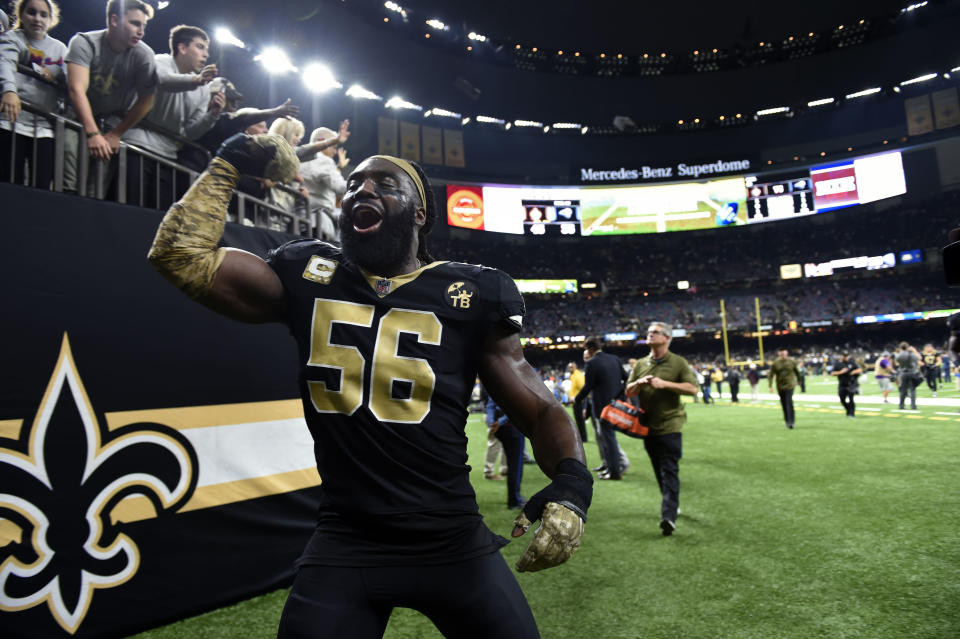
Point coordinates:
pixel 383 287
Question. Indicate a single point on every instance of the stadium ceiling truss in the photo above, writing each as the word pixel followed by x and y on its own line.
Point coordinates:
pixel 743 54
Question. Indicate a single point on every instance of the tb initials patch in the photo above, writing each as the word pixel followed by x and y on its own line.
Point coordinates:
pixel 460 295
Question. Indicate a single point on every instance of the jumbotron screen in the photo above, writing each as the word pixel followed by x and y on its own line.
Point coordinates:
pixel 573 210
pixel 664 207
pixel 680 206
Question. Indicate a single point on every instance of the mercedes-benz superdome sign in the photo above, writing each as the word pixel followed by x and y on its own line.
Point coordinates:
pixel 645 173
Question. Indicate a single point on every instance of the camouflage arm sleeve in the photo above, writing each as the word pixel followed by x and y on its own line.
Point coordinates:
pixel 185 248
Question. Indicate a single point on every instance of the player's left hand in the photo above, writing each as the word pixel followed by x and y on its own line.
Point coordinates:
pixel 562 508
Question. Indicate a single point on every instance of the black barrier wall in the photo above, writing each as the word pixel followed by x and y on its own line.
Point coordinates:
pixel 153 459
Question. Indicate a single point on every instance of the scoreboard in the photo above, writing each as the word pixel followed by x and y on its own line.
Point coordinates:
pixel 779 197
pixel 551 217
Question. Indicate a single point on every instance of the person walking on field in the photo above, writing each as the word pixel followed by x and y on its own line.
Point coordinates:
pixel 847 372
pixel 908 363
pixel 784 371
pixel 754 378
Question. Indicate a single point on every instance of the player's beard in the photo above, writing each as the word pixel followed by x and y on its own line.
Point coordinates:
pixel 382 251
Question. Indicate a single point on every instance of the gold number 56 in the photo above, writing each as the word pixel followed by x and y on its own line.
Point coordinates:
pixel 388 365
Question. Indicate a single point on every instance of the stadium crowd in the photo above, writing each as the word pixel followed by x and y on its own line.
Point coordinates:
pixel 837 302
pixel 170 111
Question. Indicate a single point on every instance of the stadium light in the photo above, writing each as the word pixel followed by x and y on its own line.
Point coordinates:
pixel 358 92
pixel 437 24
pixel 583 131
pixel 922 78
pixel 225 36
pixel 546 129
pixel 396 102
pixel 527 123
pixel 773 110
pixel 565 125
pixel 815 103
pixel 489 120
pixel 860 94
pixel 473 35
pixel 913 7
pixel 396 8
pixel 506 127
pixel 443 113
pixel 275 60
pixel 465 121
pixel 318 78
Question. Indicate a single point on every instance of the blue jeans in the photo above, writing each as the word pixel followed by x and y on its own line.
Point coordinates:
pixel 513 442
pixel 705 389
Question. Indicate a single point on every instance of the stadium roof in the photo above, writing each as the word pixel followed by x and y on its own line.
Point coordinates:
pixel 615 25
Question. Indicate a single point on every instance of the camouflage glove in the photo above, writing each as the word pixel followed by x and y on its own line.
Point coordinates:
pixel 562 508
pixel 268 156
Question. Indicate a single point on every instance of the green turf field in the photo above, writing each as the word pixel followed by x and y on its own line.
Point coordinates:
pixel 655 209
pixel 840 528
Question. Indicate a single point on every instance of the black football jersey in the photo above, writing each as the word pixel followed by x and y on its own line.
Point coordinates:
pixel 387 366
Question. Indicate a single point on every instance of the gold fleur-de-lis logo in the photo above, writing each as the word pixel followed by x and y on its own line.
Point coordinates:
pixel 61 480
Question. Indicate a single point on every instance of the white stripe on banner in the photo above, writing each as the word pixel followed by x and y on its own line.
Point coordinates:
pixel 244 451
pixel 241 451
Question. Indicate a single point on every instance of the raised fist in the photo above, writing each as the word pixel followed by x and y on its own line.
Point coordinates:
pixel 268 156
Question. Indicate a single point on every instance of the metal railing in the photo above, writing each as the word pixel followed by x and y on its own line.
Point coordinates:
pixel 136 175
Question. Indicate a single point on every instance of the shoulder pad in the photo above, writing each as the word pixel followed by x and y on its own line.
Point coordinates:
pixel 300 249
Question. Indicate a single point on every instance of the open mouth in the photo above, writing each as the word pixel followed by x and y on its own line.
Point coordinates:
pixel 366 218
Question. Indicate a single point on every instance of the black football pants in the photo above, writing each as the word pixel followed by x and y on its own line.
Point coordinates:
pixel 474 599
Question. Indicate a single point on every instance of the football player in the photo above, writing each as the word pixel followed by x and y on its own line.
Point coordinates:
pixel 390 342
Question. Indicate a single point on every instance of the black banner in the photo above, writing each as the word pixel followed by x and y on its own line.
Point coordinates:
pixel 154 462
